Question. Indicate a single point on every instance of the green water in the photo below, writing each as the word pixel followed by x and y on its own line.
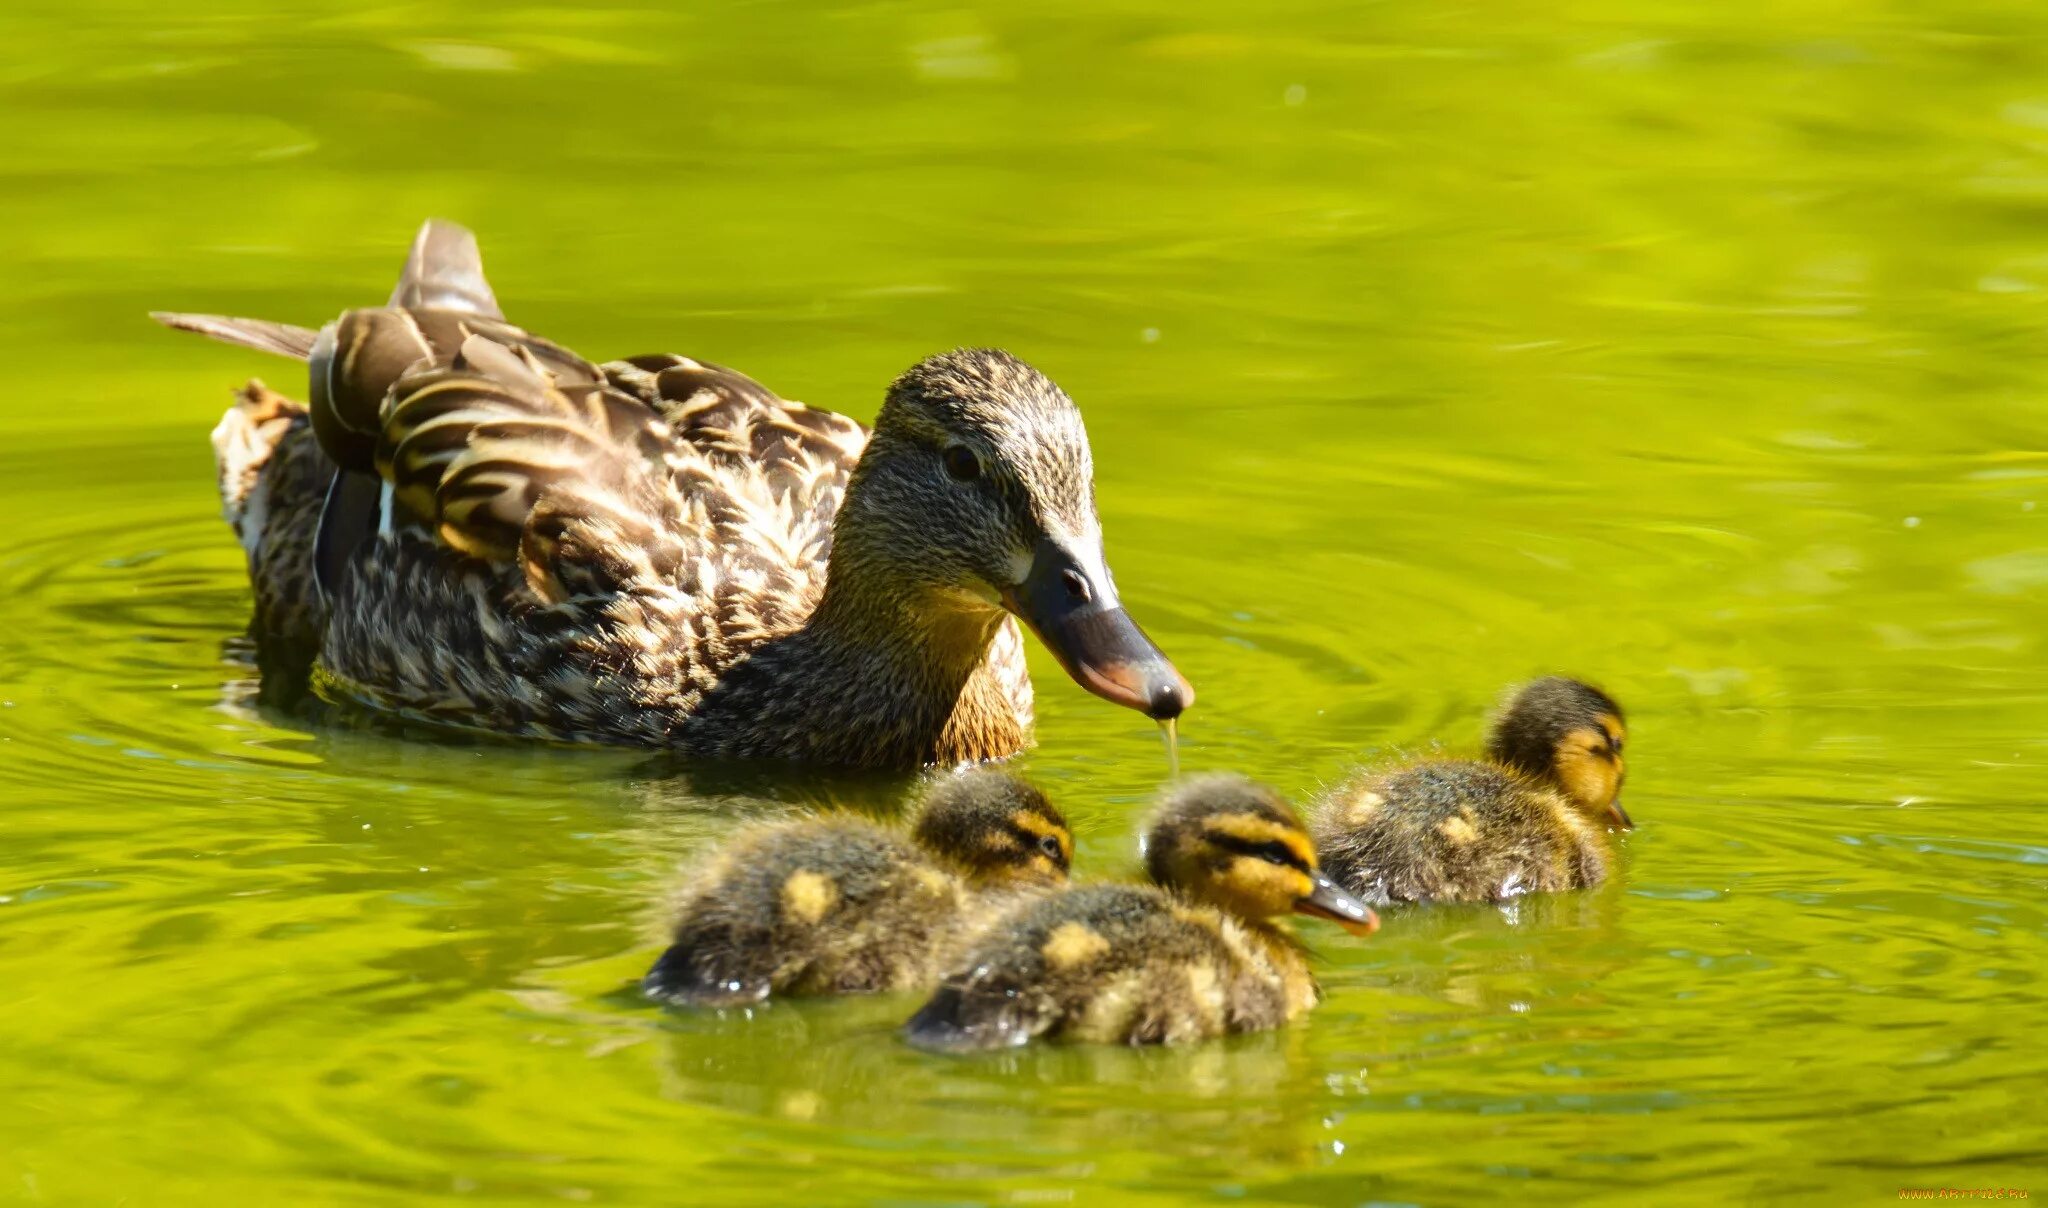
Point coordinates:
pixel 1698 348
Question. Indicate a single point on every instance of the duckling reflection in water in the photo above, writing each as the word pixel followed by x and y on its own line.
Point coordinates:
pixel 1194 956
pixel 1531 817
pixel 840 905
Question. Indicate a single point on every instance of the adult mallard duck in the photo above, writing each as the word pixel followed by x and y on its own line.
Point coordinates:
pixel 840 905
pixel 1531 817
pixel 1194 955
pixel 471 525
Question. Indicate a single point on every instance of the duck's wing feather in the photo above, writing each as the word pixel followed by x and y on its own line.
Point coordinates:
pixel 515 450
pixel 444 420
pixel 359 359
pixel 349 516
pixel 794 458
pixel 738 422
pixel 496 458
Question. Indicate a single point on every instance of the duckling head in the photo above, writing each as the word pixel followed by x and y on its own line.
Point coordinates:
pixel 1240 847
pixel 995 828
pixel 1567 734
pixel 976 494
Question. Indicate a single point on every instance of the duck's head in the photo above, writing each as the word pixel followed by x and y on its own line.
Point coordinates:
pixel 995 828
pixel 1238 846
pixel 977 493
pixel 1567 734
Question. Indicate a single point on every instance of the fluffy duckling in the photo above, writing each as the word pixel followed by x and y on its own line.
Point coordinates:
pixel 1195 956
pixel 1532 817
pixel 840 905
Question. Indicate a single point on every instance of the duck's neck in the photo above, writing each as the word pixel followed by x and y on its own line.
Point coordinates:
pixel 873 679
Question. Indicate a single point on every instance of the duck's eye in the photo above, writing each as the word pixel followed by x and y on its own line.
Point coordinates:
pixel 1276 853
pixel 961 463
pixel 1272 851
pixel 1050 845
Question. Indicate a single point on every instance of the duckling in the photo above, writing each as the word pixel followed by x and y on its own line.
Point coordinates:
pixel 1531 817
pixel 472 526
pixel 1193 956
pixel 840 905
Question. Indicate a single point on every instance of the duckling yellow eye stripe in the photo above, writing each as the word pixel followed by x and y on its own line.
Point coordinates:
pixel 1025 820
pixel 1586 741
pixel 1253 828
pixel 1039 827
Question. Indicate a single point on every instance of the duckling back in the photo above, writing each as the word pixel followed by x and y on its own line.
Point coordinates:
pixel 1454 830
pixel 822 906
pixel 1195 957
pixel 842 906
pixel 1121 964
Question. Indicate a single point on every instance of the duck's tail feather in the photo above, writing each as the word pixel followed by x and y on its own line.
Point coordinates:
pixel 261 334
pixel 445 272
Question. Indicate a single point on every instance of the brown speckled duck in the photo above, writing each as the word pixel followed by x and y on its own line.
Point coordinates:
pixel 1195 955
pixel 473 526
pixel 840 905
pixel 1531 817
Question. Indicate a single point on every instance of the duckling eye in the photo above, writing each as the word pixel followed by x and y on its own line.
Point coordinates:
pixel 961 463
pixel 1050 845
pixel 1271 851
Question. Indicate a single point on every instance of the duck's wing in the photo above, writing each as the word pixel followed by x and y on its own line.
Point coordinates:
pixel 742 426
pixel 495 457
pixel 366 363
pixel 784 465
pixel 444 419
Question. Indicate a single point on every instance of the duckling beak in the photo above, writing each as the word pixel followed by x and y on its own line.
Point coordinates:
pixel 1620 815
pixel 1332 901
pixel 1068 600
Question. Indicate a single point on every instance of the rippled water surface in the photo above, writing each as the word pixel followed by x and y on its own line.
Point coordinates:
pixel 1699 348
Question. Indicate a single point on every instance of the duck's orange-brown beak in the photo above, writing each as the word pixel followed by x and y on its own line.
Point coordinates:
pixel 1332 901
pixel 1073 608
